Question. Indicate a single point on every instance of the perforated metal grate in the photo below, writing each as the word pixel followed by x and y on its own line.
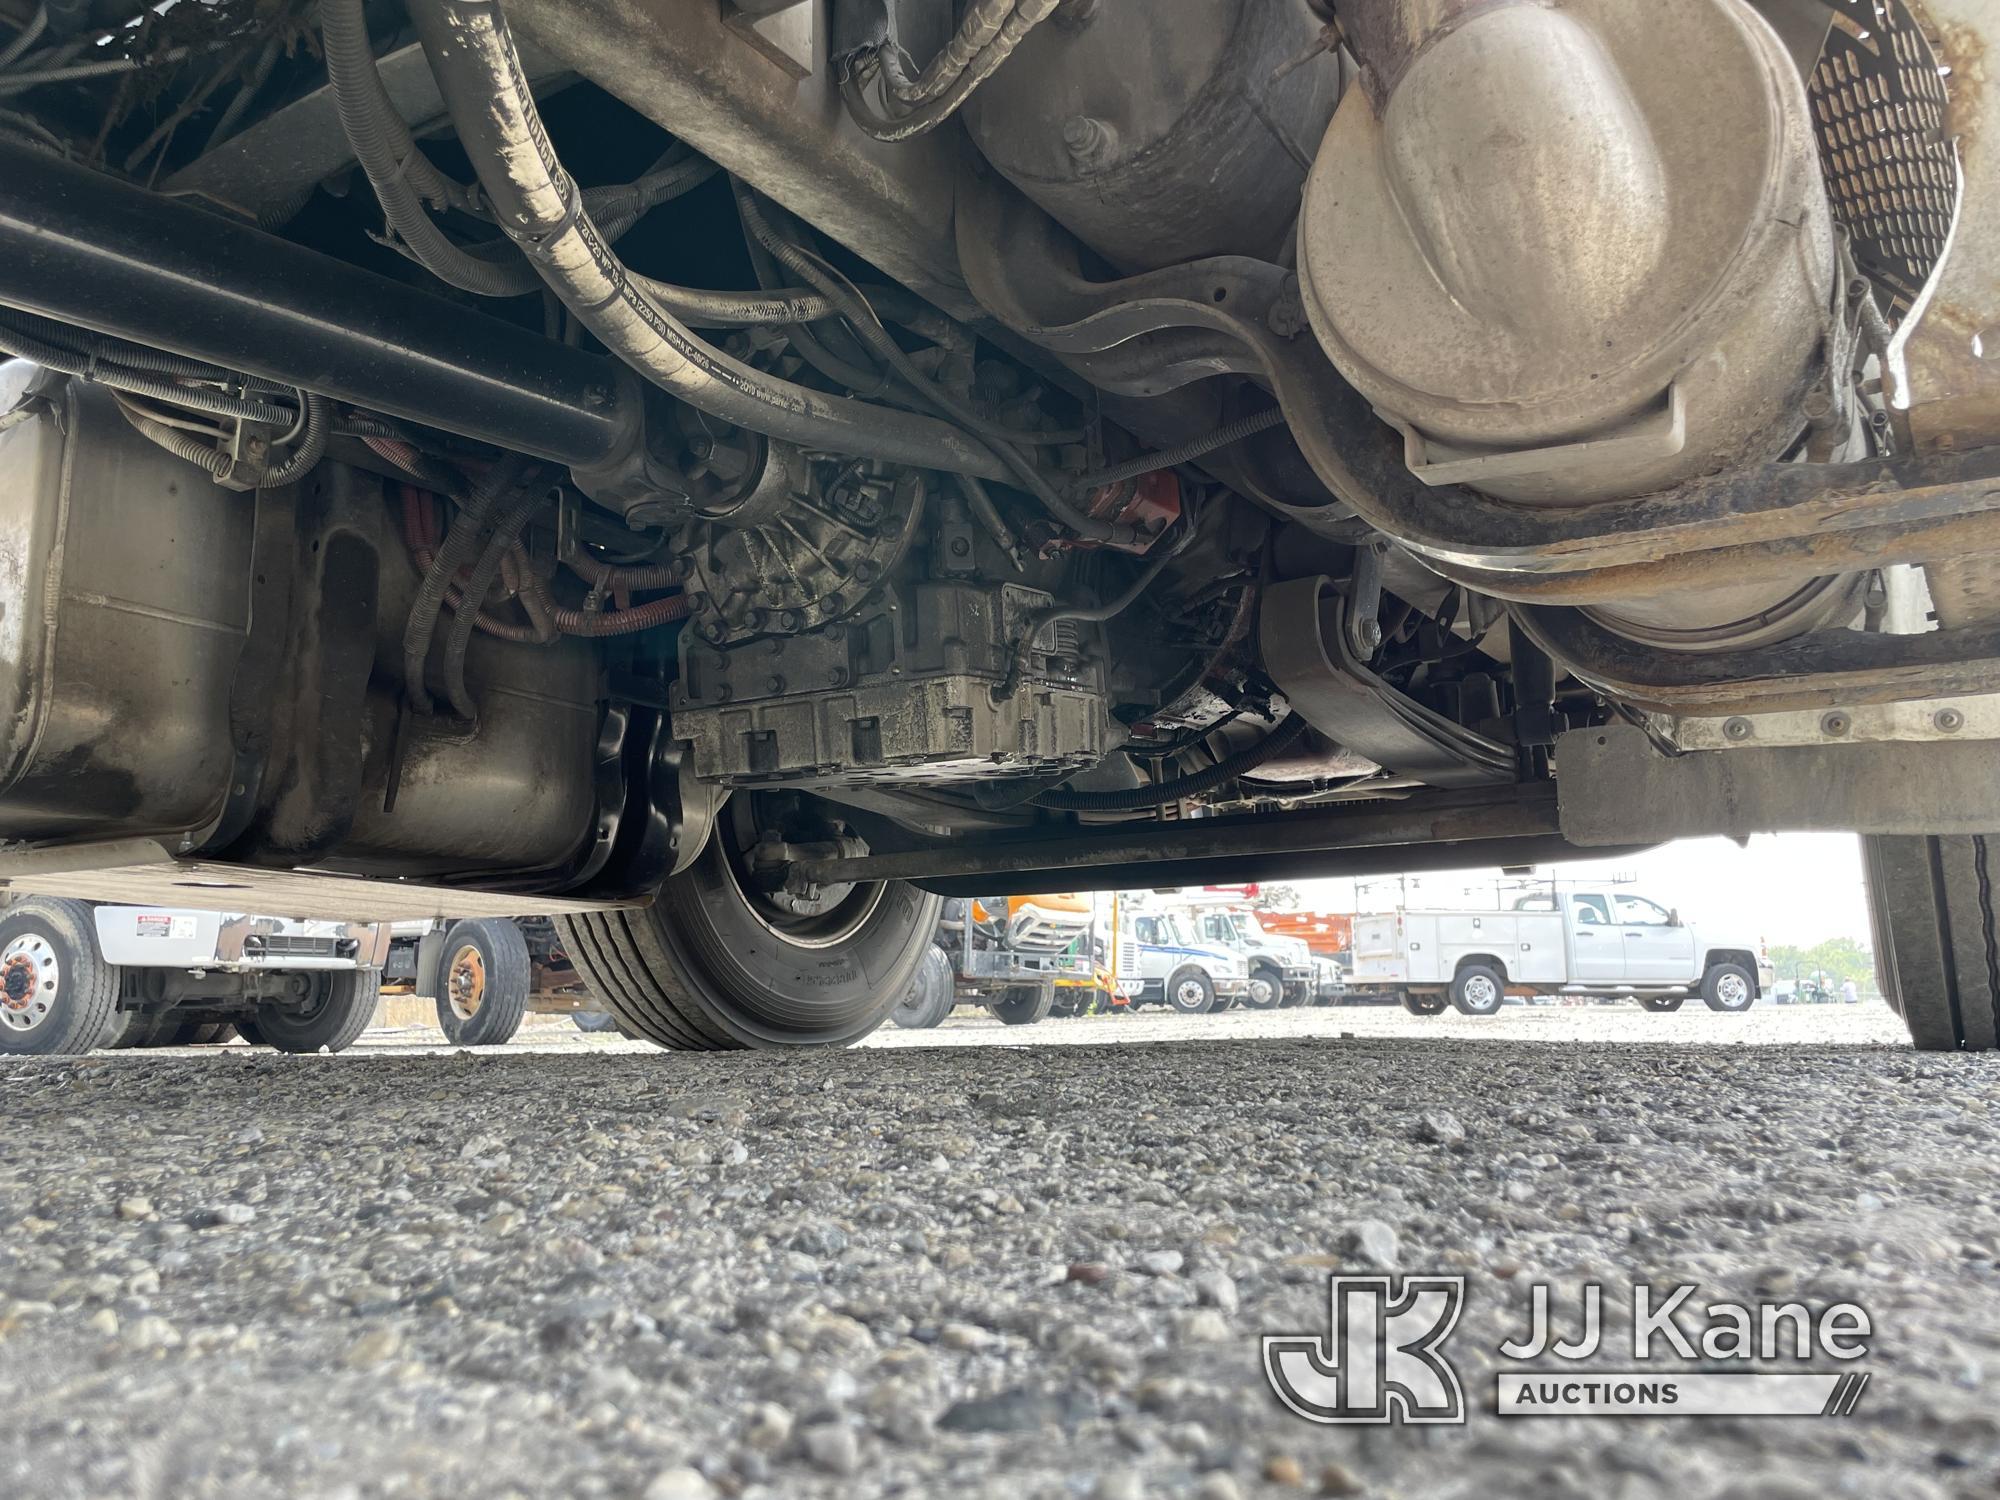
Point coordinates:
pixel 1879 102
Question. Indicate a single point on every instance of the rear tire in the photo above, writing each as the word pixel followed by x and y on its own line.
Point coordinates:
pixel 1422 1005
pixel 1931 906
pixel 1024 1004
pixel 483 980
pixel 931 995
pixel 708 967
pixel 1190 991
pixel 1729 988
pixel 1477 990
pixel 594 1020
pixel 340 1006
pixel 1660 1004
pixel 58 997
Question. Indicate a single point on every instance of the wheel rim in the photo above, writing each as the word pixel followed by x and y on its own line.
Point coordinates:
pixel 822 921
pixel 1261 991
pixel 30 982
pixel 465 983
pixel 1481 993
pixel 1733 990
pixel 1189 993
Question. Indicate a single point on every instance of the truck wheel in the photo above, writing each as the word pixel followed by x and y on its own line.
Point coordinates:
pixel 1660 1004
pixel 58 997
pixel 1478 991
pixel 1728 987
pixel 1295 995
pixel 1931 908
pixel 1266 991
pixel 594 1020
pixel 1024 1004
pixel 483 979
pixel 931 995
pixel 247 1029
pixel 1421 1005
pixel 1190 991
pixel 717 963
pixel 336 1009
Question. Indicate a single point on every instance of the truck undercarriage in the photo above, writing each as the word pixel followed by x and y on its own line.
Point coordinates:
pixel 733 472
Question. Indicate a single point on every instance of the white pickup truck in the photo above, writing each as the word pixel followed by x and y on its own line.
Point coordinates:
pixel 1585 942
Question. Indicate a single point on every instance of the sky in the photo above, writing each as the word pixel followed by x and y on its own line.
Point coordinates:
pixel 1797 888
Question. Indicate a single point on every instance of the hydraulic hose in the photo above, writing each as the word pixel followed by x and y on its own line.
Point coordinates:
pixel 401 175
pixel 452 554
pixel 1167 458
pixel 872 333
pixel 927 116
pixel 979 25
pixel 1137 798
pixel 505 534
pixel 539 206
pixel 26 38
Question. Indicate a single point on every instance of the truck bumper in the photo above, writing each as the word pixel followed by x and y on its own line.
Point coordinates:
pixel 153 937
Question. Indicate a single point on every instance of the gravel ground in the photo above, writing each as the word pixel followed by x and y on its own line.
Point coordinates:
pixel 951 1263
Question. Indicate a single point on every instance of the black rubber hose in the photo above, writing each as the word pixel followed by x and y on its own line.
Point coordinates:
pixel 506 530
pixel 400 174
pixel 1137 798
pixel 877 338
pixel 1026 15
pixel 536 203
pixel 1167 458
pixel 452 554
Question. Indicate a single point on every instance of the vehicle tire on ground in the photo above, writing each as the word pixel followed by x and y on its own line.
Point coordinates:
pixel 1267 989
pixel 1190 991
pixel 1660 1004
pixel 1931 908
pixel 1421 1005
pixel 1295 995
pixel 594 1020
pixel 58 997
pixel 140 1028
pixel 711 966
pixel 1023 1004
pixel 1478 990
pixel 337 1009
pixel 930 995
pixel 247 1029
pixel 482 983
pixel 1728 987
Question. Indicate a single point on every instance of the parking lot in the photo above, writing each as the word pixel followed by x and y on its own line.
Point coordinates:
pixel 979 1260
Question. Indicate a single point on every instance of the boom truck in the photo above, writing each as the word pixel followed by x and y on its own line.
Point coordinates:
pixel 1046 443
pixel 1013 954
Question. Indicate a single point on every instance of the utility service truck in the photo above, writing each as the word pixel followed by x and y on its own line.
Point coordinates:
pixel 1584 942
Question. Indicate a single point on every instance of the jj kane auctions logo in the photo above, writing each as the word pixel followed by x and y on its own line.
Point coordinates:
pixel 1382 1356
